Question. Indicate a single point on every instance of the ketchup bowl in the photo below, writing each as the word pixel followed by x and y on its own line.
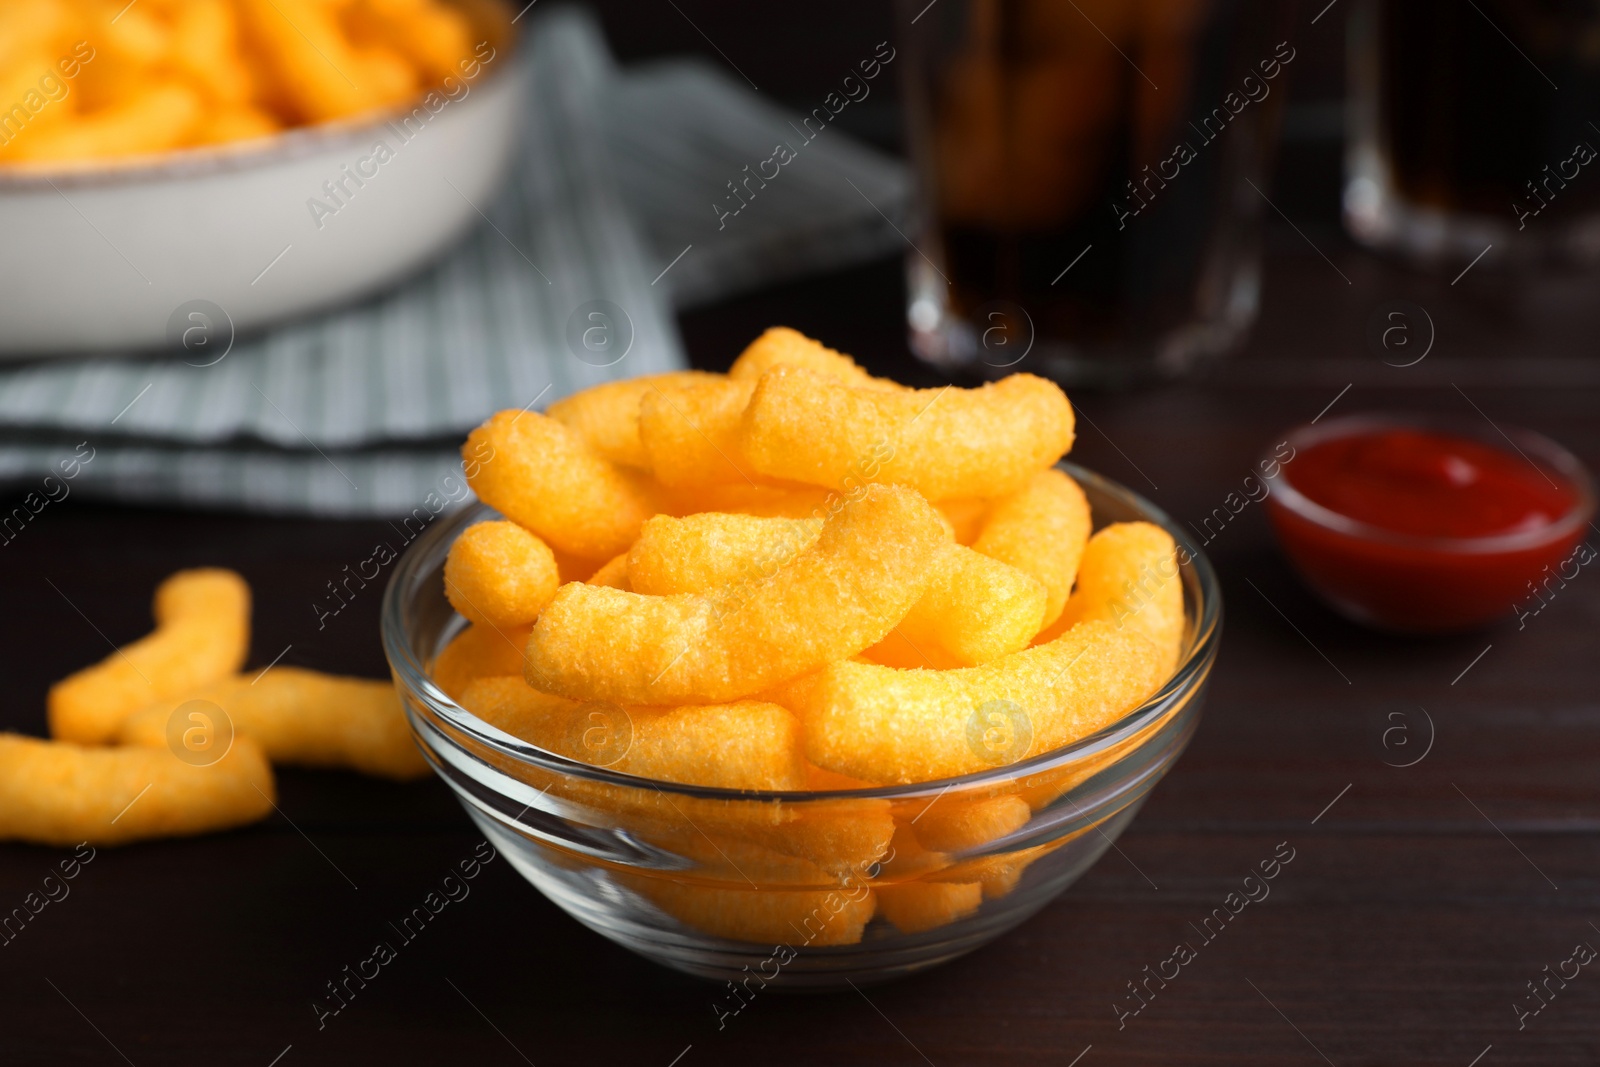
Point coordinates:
pixel 1429 524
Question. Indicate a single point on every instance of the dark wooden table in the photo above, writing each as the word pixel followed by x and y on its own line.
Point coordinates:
pixel 1420 902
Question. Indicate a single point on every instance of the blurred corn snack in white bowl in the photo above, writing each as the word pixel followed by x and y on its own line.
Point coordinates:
pixel 322 149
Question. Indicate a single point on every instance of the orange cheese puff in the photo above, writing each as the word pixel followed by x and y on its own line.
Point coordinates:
pixel 957 825
pixel 699 553
pixel 906 859
pixel 613 574
pixel 841 595
pixel 844 837
pixel 690 431
pixel 999 875
pixel 745 745
pixel 652 815
pixel 892 725
pixel 965 514
pixel 788 501
pixel 202 634
pixel 917 906
pixel 313 64
pixel 1039 790
pixel 22 64
pixel 975 608
pixel 511 704
pixel 143 38
pixel 805 918
pixel 943 443
pixel 1129 578
pixel 29 34
pixel 299 717
pixel 781 346
pixel 242 123
pixel 479 652
pixel 386 75
pixel 607 416
pixel 912 862
pixel 499 574
pixel 205 46
pixel 434 37
pixel 155 118
pixel 57 793
pixel 720 857
pixel 1041 531
pixel 542 475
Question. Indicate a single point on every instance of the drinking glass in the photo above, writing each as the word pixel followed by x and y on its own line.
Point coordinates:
pixel 1472 131
pixel 1091 179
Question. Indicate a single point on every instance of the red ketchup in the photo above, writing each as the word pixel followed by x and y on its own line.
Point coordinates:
pixel 1406 525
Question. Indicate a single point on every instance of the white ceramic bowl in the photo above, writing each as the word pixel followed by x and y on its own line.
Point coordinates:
pixel 101 259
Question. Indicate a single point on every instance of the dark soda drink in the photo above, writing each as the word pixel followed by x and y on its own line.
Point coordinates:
pixel 1085 173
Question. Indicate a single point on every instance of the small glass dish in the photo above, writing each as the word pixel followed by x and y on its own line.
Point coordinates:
pixel 1405 583
pixel 807 889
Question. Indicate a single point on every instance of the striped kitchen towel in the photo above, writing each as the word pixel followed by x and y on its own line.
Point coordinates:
pixel 615 192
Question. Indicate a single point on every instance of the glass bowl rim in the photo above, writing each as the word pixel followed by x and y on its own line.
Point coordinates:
pixel 1192 670
pixel 1559 459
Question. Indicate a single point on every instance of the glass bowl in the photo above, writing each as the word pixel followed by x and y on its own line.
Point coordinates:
pixel 1404 583
pixel 805 889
